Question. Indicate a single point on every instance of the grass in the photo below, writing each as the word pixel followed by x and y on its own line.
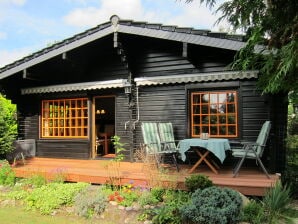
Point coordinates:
pixel 17 214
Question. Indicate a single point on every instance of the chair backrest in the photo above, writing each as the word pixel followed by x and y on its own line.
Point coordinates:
pixel 262 138
pixel 151 137
pixel 166 134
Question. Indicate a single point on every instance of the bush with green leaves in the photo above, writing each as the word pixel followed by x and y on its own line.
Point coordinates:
pixel 8 125
pixel 53 195
pixel 7 175
pixel 158 193
pixel 197 181
pixel 168 213
pixel 90 201
pixel 213 205
pixel 253 213
pixel 146 198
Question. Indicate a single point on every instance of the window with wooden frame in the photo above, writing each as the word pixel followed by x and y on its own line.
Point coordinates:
pixel 64 118
pixel 214 113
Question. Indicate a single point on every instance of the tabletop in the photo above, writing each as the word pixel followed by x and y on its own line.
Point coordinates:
pixel 217 146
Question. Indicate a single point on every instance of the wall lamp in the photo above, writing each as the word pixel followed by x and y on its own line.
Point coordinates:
pixel 127 87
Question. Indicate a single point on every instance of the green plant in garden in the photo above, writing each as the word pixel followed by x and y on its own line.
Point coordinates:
pixel 8 125
pixel 36 180
pixel 277 204
pixel 53 195
pixel 197 181
pixel 119 148
pixel 90 201
pixel 7 175
pixel 158 193
pixel 113 166
pixel 253 213
pixel 213 205
pixel 146 198
pixel 168 213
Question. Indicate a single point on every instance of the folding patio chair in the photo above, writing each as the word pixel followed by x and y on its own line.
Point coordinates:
pixel 253 150
pixel 166 133
pixel 153 144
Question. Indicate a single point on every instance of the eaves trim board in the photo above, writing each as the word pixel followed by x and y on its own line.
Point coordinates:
pixel 118 83
pixel 198 77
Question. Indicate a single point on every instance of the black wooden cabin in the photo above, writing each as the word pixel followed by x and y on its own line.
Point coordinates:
pixel 74 95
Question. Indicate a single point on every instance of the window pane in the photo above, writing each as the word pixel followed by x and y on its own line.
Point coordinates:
pixel 214 113
pixel 59 115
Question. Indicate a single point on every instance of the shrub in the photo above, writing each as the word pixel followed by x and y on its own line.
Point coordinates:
pixel 51 196
pixel 169 212
pixel 146 198
pixel 213 205
pixel 157 193
pixel 8 125
pixel 197 181
pixel 7 175
pixel 253 213
pixel 89 202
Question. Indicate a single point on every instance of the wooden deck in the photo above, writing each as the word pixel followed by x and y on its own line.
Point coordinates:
pixel 249 182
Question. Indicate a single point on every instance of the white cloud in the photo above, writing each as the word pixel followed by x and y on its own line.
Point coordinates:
pixel 7 57
pixel 168 12
pixel 91 16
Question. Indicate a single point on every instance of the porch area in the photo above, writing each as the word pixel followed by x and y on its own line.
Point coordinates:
pixel 250 181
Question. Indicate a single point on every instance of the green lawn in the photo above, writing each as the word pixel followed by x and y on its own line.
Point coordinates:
pixel 12 215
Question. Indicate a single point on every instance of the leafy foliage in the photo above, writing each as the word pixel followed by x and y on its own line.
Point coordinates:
pixel 7 175
pixel 8 125
pixel 90 202
pixel 53 195
pixel 213 205
pixel 169 212
pixel 119 147
pixel 253 213
pixel 197 181
pixel 277 203
pixel 36 180
pixel 272 32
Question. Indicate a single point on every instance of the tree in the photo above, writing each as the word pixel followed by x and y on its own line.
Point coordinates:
pixel 271 27
pixel 8 125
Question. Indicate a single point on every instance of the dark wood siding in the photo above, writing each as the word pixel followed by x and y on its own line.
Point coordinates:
pixel 79 149
pixel 163 104
pixel 28 118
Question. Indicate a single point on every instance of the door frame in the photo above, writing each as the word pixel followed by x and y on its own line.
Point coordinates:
pixel 93 121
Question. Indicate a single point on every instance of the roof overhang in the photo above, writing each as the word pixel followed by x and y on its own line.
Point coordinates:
pixel 116 26
pixel 118 83
pixel 197 77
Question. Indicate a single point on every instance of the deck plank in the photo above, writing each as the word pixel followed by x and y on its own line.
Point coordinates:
pixel 250 181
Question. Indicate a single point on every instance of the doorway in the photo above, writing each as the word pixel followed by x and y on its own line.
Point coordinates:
pixel 104 126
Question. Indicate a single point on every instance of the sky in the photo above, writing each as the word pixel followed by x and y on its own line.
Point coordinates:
pixel 27 26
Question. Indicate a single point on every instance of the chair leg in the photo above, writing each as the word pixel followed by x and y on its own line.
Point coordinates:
pixel 175 162
pixel 238 166
pixel 263 167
